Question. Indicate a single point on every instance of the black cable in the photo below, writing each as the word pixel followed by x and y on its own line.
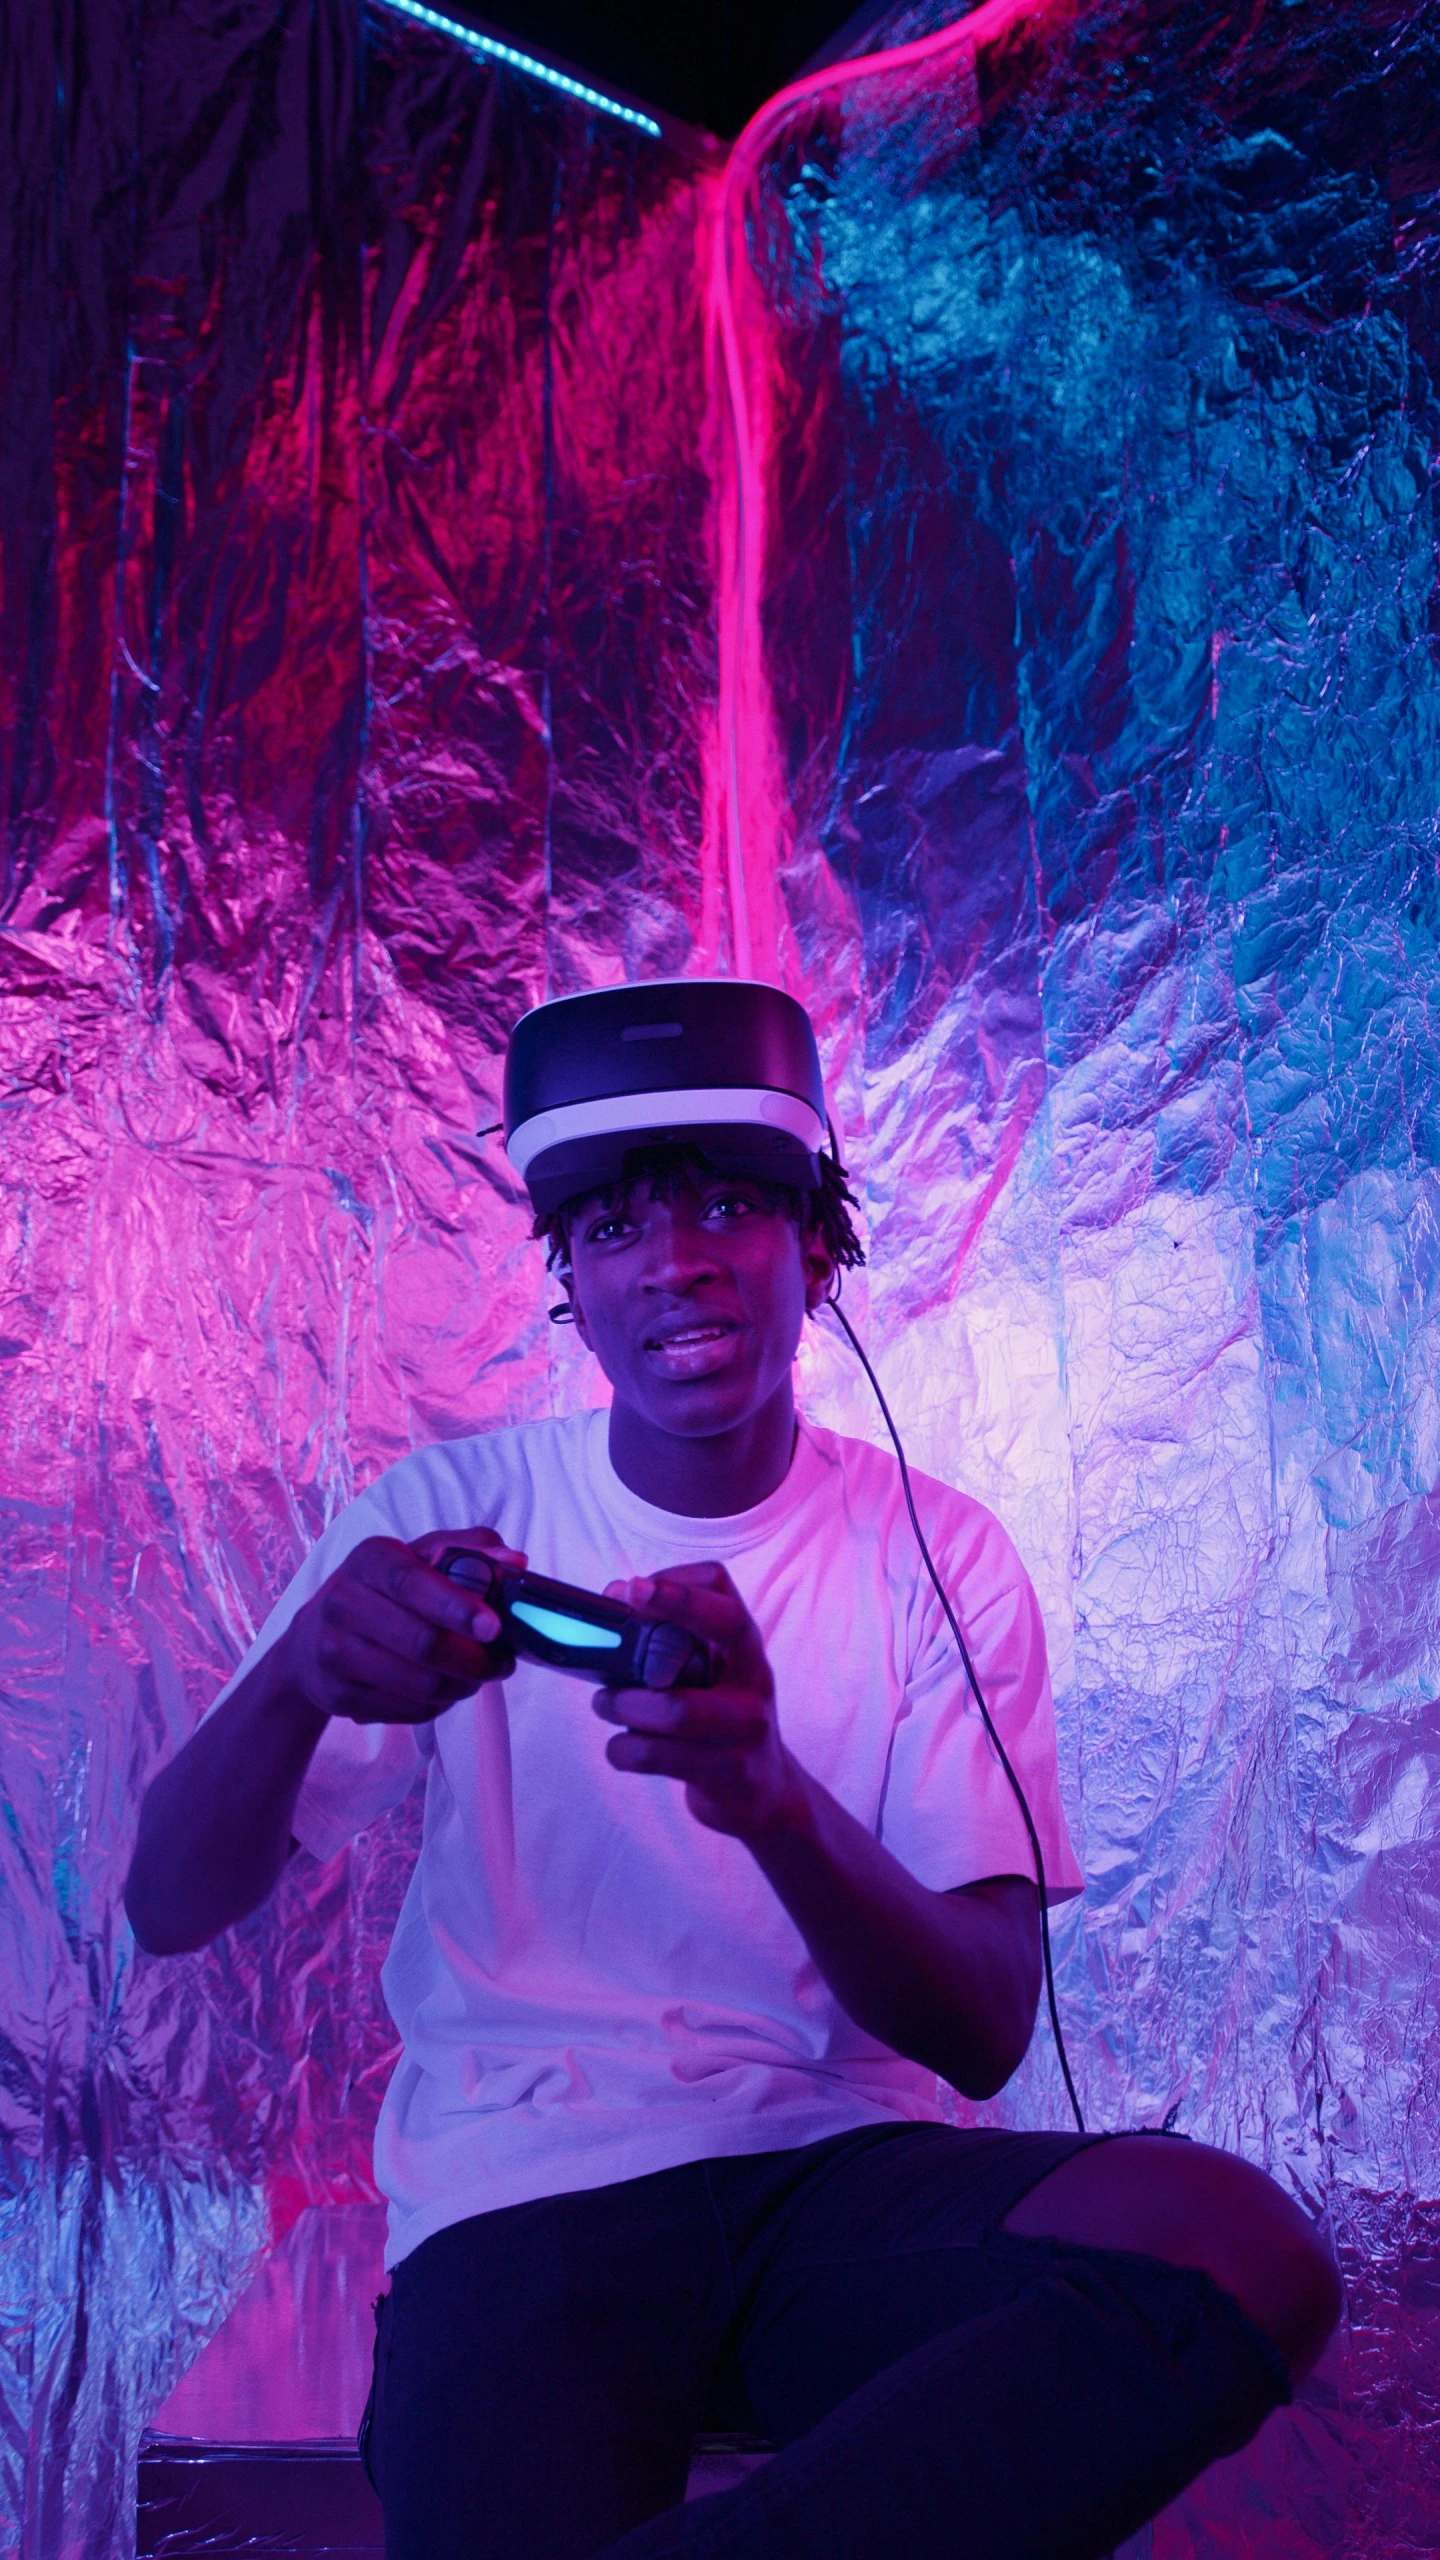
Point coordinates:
pixel 989 1722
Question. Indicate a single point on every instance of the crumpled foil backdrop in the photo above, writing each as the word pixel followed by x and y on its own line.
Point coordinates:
pixel 367 515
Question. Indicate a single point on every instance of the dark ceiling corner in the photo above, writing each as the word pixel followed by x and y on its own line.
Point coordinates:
pixel 710 64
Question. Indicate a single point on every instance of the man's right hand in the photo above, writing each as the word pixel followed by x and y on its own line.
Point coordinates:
pixel 389 1640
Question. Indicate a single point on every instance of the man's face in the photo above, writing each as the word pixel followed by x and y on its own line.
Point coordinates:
pixel 692 1300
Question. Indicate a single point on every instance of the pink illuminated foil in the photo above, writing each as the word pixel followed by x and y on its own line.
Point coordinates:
pixel 971 558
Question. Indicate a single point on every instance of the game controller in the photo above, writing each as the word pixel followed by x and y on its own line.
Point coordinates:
pixel 577 1631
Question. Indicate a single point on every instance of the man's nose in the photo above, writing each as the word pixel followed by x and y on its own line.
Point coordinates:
pixel 680 1249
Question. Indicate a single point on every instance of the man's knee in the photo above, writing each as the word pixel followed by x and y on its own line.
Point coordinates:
pixel 1198 2208
pixel 1277 2266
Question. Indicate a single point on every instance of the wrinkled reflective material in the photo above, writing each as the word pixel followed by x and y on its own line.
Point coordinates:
pixel 357 632
pixel 361 656
pixel 1098 405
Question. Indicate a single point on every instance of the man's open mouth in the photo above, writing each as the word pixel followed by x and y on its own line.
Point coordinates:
pixel 688 1337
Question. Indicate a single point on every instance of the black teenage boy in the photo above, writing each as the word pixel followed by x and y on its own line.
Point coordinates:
pixel 665 2141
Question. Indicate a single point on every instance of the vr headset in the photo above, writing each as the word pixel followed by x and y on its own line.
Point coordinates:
pixel 728 1066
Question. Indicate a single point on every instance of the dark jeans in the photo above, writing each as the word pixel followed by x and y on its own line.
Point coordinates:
pixel 935 2384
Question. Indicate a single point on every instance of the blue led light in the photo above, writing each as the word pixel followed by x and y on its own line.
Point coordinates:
pixel 548 1622
pixel 492 47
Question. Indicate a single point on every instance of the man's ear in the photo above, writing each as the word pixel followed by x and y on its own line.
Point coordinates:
pixel 577 1312
pixel 819 1267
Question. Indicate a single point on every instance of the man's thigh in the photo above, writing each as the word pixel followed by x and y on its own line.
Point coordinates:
pixel 879 2244
pixel 540 2372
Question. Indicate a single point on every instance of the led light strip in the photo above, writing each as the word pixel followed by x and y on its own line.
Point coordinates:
pixel 474 42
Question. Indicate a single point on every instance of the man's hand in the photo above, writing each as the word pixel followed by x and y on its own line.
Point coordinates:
pixel 389 1640
pixel 724 1742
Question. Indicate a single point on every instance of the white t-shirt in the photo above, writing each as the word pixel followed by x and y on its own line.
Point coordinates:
pixel 588 1984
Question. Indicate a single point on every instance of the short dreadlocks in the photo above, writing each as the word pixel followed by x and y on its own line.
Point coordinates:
pixel 825 1212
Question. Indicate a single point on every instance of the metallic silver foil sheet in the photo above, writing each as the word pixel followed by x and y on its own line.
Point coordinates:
pixel 356 612
pixel 361 647
pixel 1099 617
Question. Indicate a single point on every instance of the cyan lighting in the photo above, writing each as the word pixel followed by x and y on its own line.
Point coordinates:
pixel 491 46
pixel 548 1622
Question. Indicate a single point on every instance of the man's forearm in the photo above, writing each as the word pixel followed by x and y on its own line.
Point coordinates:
pixel 215 1828
pixel 386 1640
pixel 947 1979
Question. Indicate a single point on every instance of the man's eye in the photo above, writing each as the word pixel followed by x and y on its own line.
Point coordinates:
pixel 730 1204
pixel 605 1230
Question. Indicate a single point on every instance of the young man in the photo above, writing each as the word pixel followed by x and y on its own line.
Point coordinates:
pixel 664 2144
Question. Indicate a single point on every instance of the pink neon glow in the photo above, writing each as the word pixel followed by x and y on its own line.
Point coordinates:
pixel 750 804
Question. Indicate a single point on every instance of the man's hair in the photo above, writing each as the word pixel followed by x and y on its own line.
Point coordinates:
pixel 824 1212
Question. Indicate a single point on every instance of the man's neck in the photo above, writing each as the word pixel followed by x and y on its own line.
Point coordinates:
pixel 707 1479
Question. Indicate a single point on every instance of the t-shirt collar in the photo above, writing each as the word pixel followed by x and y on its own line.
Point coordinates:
pixel 695 1539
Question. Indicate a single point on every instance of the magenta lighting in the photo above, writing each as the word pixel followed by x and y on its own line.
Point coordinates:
pixel 492 46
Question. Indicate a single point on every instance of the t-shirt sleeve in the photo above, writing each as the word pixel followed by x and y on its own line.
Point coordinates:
pixel 949 1812
pixel 359 1770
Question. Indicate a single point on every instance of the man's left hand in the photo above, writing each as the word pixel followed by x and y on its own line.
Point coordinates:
pixel 723 1743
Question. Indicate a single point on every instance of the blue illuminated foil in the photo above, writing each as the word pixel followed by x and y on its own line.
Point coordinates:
pixel 1101 620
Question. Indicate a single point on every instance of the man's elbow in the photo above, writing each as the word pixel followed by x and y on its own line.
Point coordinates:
pixel 147 1930
pixel 988 2083
pixel 995 2043
pixel 984 2073
pixel 158 1929
pixel 174 1910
